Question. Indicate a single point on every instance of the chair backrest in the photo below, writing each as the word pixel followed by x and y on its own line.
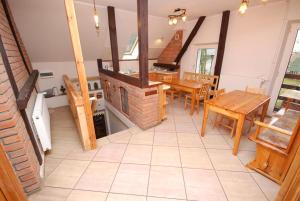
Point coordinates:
pixel 203 92
pixel 219 92
pixel 188 76
pixel 255 90
pixel 167 78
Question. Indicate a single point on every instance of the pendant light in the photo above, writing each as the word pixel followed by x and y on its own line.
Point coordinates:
pixel 96 17
pixel 243 7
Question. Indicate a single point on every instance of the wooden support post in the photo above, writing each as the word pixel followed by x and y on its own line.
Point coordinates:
pixel 189 39
pixel 113 38
pixel 222 42
pixel 72 21
pixel 142 12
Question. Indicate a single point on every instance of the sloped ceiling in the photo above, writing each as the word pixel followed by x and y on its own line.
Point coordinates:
pixel 44 30
pixel 195 8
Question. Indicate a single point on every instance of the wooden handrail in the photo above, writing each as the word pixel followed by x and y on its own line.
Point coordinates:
pixel 76 96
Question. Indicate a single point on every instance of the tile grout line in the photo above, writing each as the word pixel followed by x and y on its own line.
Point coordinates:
pixel 150 165
pixel 181 168
pixel 215 171
pixel 109 191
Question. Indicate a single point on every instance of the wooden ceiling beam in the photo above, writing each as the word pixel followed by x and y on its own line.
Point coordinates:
pixel 189 39
pixel 142 12
pixel 113 38
pixel 222 42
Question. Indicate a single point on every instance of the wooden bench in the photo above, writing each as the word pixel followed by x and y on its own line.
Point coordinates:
pixel 276 144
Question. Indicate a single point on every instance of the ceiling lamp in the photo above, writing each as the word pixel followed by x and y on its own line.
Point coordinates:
pixel 179 14
pixel 244 6
pixel 96 18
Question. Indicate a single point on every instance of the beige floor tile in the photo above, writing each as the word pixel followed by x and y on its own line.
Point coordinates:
pixel 269 187
pixel 240 186
pixel 66 174
pixel 224 160
pixel 195 158
pixel 183 119
pixel 215 142
pixel 50 194
pixel 122 197
pixel 145 138
pixel 98 176
pixel 120 137
pixel 162 199
pixel 245 144
pixel 135 130
pixel 138 154
pixel 81 155
pixel 166 182
pixel 203 185
pixel 131 179
pixel 77 195
pixel 102 141
pixel 165 139
pixel 186 127
pixel 111 153
pixel 167 127
pixel 189 140
pixel 51 164
pixel 61 149
pixel 165 156
pixel 246 157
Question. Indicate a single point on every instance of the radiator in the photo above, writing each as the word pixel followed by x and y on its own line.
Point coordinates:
pixel 41 120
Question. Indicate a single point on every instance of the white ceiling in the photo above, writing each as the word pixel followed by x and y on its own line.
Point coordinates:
pixel 163 8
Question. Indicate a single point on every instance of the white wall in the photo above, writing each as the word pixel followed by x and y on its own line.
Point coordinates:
pixel 69 68
pixel 251 46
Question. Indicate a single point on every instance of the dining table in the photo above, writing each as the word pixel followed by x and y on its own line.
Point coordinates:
pixel 188 86
pixel 236 104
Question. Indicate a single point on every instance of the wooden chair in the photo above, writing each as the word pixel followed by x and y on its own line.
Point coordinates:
pixel 172 93
pixel 219 120
pixel 276 145
pixel 201 96
pixel 188 76
pixel 253 116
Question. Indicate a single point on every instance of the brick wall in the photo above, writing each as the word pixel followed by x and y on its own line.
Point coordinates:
pixel 171 51
pixel 143 110
pixel 13 134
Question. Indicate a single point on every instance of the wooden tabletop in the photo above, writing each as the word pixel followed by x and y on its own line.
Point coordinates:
pixel 239 101
pixel 292 94
pixel 186 83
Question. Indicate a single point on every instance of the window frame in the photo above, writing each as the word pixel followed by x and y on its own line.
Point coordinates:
pixel 206 46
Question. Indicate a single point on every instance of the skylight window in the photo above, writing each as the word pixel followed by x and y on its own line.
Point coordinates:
pixel 132 49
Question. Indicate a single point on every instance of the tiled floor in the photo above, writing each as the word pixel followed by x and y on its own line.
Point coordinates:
pixel 166 163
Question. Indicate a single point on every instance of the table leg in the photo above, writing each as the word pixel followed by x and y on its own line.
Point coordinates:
pixel 238 134
pixel 193 102
pixel 205 117
pixel 264 111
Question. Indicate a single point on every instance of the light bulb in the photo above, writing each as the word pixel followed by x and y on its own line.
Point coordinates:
pixel 96 18
pixel 184 17
pixel 174 21
pixel 170 21
pixel 264 1
pixel 243 7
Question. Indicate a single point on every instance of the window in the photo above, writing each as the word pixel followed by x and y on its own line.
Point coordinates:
pixel 124 100
pixel 107 90
pixel 132 49
pixel 205 63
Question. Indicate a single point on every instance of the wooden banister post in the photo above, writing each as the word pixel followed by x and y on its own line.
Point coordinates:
pixel 72 22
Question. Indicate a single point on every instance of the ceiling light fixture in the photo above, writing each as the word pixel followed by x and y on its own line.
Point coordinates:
pixel 243 7
pixel 245 4
pixel 179 13
pixel 96 18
